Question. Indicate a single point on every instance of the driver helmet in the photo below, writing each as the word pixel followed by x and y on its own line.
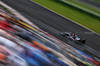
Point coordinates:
pixel 73 35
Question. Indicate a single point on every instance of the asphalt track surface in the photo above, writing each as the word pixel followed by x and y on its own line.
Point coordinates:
pixel 91 3
pixel 54 24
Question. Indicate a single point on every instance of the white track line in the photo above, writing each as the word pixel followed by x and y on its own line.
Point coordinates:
pixel 67 18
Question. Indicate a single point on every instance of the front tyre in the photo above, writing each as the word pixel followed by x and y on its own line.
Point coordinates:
pixel 62 34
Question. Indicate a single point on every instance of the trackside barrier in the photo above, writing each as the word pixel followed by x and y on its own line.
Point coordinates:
pixel 60 56
pixel 80 8
pixel 46 49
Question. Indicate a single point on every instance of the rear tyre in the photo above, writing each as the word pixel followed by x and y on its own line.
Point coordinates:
pixel 83 41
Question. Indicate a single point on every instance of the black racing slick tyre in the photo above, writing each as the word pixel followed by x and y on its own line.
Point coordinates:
pixel 83 41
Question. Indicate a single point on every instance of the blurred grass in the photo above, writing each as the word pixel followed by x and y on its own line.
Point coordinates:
pixel 97 1
pixel 76 4
pixel 83 6
pixel 79 16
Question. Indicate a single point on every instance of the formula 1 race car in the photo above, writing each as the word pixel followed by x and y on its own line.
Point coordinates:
pixel 73 37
